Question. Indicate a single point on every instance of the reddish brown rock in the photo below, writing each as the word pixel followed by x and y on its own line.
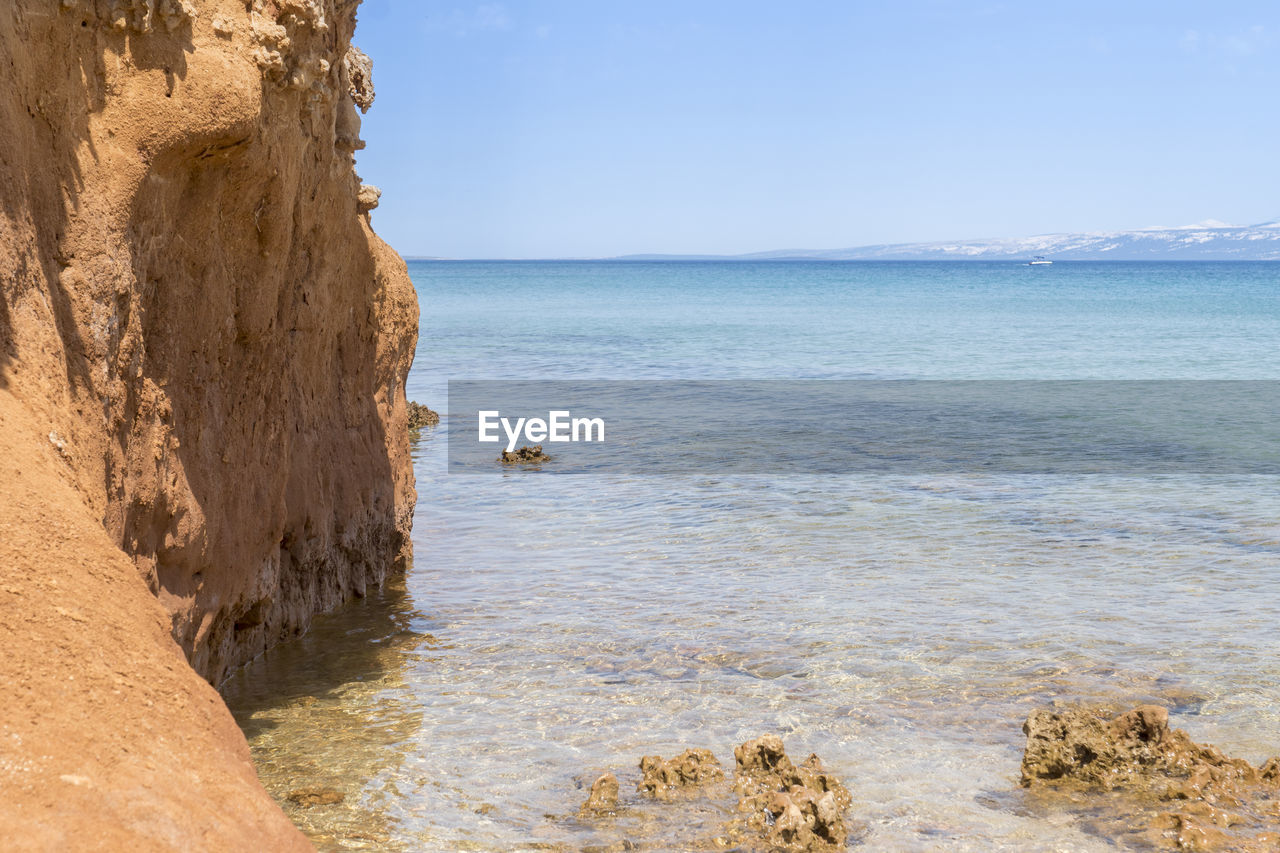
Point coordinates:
pixel 108 740
pixel 203 349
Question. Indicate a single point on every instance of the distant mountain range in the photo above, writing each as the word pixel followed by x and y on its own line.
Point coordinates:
pixel 1204 241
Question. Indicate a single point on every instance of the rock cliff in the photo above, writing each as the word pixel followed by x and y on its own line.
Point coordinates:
pixel 203 349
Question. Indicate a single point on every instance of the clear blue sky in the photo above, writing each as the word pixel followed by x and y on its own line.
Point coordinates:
pixel 595 128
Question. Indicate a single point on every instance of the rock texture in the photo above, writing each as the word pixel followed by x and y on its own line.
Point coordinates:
pixel 420 416
pixel 687 773
pixel 789 807
pixel 682 803
pixel 108 740
pixel 603 797
pixel 1177 794
pixel 210 344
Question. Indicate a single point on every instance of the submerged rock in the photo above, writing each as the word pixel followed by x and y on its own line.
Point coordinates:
pixel 420 416
pixel 604 795
pixel 522 455
pixel 308 797
pixel 687 773
pixel 1195 798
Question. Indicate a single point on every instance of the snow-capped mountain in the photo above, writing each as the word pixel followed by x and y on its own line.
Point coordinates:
pixel 1208 240
pixel 1205 241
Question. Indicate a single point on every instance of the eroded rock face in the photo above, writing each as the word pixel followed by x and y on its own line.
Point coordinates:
pixel 1201 799
pixel 360 78
pixel 213 328
pixel 194 306
pixel 367 198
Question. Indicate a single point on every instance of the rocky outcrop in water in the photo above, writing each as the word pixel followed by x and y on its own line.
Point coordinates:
pixel 524 456
pixel 1185 795
pixel 685 774
pixel 788 806
pixel 420 416
pixel 203 349
pixel 777 805
pixel 603 797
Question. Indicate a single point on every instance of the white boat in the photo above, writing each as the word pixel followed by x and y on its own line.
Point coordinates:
pixel 1038 261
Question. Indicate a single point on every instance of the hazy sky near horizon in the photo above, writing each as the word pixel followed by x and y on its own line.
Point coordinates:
pixel 588 129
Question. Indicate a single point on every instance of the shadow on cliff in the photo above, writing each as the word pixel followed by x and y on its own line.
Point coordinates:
pixel 271 395
pixel 43 121
pixel 250 475
pixel 222 341
pixel 7 347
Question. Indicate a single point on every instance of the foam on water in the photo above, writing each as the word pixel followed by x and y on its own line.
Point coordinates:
pixel 901 627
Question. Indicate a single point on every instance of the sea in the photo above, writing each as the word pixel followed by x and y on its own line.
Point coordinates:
pixel 901 625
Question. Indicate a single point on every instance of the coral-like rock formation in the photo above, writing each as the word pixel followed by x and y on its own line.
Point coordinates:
pixel 779 806
pixel 139 16
pixel 689 772
pixel 789 807
pixel 194 307
pixel 1196 797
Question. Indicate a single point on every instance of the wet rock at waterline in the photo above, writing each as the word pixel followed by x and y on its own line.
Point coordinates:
pixel 773 805
pixel 604 795
pixel 420 416
pixel 790 807
pixel 307 797
pixel 523 455
pixel 687 773
pixel 1151 781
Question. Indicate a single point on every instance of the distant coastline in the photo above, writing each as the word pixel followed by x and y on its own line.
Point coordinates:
pixel 791 259
pixel 1204 241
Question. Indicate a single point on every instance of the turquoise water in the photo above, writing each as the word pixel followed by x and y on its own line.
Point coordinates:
pixel 783 320
pixel 900 626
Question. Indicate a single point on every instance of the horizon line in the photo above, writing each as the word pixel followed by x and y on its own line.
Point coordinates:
pixel 806 254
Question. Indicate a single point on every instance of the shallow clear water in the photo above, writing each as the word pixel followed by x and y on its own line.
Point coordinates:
pixel 901 627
